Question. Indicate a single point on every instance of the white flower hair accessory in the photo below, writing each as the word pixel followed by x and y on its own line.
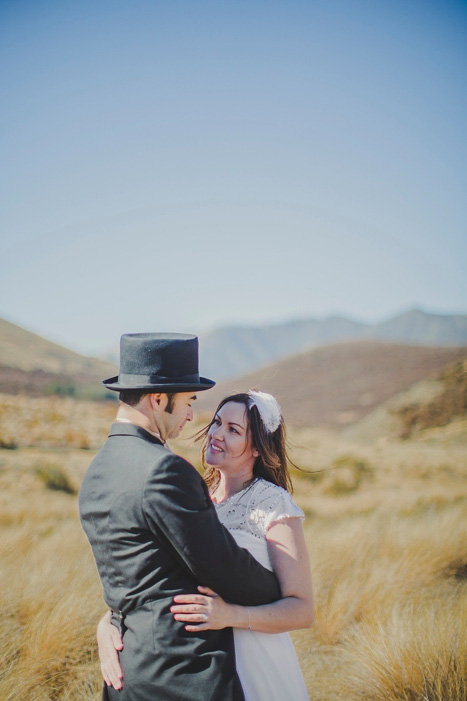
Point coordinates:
pixel 268 408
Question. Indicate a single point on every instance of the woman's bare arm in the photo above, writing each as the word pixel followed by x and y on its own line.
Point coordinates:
pixel 289 558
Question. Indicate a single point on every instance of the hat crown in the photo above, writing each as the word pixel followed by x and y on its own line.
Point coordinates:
pixel 159 362
pixel 173 356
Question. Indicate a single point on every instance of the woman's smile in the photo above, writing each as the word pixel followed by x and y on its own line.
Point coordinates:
pixel 215 447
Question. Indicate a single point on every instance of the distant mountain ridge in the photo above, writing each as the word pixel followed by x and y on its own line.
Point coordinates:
pixel 332 385
pixel 236 350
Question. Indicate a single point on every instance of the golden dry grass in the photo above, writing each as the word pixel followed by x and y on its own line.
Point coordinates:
pixel 53 422
pixel 50 595
pixel 388 554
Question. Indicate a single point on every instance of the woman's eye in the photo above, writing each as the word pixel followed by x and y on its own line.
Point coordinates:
pixel 234 430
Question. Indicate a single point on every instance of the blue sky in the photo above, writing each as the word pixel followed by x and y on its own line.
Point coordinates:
pixel 183 165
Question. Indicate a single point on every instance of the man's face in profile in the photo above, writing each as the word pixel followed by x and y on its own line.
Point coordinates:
pixel 177 413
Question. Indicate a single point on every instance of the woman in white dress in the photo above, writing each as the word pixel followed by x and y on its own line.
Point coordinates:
pixel 246 471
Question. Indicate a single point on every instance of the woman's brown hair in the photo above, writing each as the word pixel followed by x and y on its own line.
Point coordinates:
pixel 272 462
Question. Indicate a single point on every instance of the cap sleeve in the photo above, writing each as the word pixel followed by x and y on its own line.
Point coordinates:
pixel 275 504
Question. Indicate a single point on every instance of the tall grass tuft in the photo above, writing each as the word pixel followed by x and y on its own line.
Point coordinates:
pixel 391 607
pixel 420 653
pixel 49 609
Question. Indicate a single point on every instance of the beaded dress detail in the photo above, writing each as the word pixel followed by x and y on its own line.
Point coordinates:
pixel 266 662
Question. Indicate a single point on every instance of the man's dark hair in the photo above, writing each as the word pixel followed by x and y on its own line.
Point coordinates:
pixel 133 397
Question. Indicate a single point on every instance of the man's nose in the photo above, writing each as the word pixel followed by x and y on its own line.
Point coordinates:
pixel 190 414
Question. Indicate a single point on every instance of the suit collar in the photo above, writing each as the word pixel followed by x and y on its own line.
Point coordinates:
pixel 124 429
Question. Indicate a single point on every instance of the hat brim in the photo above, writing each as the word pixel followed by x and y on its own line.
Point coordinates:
pixel 203 384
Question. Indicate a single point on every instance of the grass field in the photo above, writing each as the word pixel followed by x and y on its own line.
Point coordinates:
pixel 386 531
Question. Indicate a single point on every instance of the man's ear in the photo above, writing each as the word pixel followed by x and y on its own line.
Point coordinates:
pixel 157 400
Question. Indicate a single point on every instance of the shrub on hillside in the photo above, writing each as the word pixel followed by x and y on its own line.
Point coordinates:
pixel 346 475
pixel 96 393
pixel 60 390
pixel 8 443
pixel 54 478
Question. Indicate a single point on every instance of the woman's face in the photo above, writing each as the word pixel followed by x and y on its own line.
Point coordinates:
pixel 229 448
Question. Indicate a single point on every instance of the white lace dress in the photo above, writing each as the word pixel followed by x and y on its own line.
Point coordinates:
pixel 266 662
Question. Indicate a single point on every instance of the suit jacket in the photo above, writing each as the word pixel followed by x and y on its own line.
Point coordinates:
pixel 155 533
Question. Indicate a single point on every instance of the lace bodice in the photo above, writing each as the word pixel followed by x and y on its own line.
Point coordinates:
pixel 255 509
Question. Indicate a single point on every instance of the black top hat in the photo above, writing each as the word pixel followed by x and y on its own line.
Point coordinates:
pixel 159 362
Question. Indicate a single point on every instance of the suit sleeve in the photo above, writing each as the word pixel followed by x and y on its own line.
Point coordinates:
pixel 176 502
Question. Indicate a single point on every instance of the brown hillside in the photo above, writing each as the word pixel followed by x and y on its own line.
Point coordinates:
pixel 336 385
pixel 31 364
pixel 450 403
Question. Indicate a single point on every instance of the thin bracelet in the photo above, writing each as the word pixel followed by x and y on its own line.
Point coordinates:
pixel 248 612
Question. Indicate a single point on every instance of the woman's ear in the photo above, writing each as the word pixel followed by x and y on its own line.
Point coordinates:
pixel 255 453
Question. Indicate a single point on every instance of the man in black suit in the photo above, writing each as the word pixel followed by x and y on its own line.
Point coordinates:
pixel 154 532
